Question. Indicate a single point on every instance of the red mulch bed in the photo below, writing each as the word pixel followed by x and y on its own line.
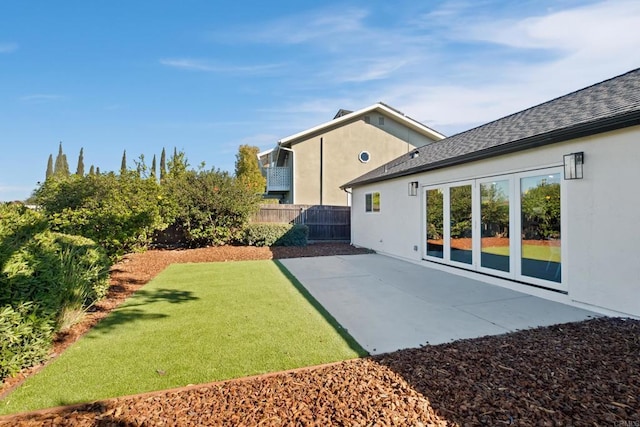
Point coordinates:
pixel 585 373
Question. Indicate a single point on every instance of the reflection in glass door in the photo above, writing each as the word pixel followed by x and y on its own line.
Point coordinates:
pixel 540 227
pixel 461 231
pixel 435 222
pixel 494 225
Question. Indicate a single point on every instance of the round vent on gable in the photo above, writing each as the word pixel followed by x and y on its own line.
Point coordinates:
pixel 364 156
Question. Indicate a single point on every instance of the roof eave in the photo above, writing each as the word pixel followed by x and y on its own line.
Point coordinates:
pixel 409 122
pixel 585 129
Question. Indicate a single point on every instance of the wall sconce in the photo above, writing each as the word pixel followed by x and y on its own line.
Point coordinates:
pixel 413 188
pixel 573 165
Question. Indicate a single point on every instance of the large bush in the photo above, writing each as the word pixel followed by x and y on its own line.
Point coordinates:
pixel 26 338
pixel 120 212
pixel 212 207
pixel 46 279
pixel 275 234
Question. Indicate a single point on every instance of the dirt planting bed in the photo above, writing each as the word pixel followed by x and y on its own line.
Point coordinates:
pixel 585 373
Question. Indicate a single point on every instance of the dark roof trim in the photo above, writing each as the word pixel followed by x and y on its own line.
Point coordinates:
pixel 578 131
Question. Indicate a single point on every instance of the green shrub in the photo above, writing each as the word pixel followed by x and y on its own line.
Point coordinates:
pixel 120 212
pixel 275 234
pixel 212 207
pixel 57 271
pixel 26 338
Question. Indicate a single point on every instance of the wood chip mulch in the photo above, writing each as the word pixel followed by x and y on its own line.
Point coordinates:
pixel 585 373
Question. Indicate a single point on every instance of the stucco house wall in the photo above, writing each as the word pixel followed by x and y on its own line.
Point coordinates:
pixel 600 232
pixel 337 150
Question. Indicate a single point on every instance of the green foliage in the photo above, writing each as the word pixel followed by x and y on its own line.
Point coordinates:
pixel 26 338
pixel 541 212
pixel 275 234
pixel 120 212
pixel 49 172
pixel 460 208
pixel 58 271
pixel 163 164
pixel 43 276
pixel 435 203
pixel 123 163
pixel 211 207
pixel 248 170
pixel 61 167
pixel 80 168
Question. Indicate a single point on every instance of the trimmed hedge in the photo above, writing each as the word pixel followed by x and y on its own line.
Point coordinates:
pixel 275 234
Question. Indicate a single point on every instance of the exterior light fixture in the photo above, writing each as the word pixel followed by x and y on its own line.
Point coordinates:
pixel 573 165
pixel 413 188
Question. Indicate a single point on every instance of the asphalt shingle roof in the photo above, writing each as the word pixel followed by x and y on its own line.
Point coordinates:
pixel 607 105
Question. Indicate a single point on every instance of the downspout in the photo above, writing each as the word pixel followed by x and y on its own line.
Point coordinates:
pixel 293 158
pixel 321 167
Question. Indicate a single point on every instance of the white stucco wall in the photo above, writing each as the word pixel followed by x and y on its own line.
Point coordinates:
pixel 601 213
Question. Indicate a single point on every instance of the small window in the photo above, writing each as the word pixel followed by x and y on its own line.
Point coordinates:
pixel 381 121
pixel 367 119
pixel 364 156
pixel 372 202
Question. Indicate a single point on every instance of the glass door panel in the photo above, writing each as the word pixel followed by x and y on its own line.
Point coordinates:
pixel 435 222
pixel 540 227
pixel 494 225
pixel 461 231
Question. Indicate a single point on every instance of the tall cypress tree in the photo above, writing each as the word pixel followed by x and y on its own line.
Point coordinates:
pixel 123 165
pixel 97 170
pixel 163 164
pixel 80 168
pixel 92 171
pixel 49 167
pixel 57 169
pixel 153 167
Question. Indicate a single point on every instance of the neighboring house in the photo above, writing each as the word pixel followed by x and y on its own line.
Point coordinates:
pixel 498 203
pixel 309 167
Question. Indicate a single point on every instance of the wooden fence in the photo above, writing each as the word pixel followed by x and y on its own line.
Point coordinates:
pixel 324 222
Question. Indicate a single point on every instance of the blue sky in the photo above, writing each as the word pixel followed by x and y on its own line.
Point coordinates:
pixel 206 76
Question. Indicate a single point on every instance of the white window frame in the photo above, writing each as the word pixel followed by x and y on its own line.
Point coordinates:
pixel 515 226
pixel 372 210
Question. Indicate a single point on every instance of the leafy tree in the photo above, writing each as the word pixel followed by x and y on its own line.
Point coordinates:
pixel 541 211
pixel 80 168
pixel 248 170
pixel 123 163
pixel 163 164
pixel 49 173
pixel 177 165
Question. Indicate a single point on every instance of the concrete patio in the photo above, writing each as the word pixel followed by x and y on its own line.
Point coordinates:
pixel 388 304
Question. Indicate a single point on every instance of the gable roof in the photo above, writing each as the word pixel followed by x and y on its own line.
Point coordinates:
pixel 605 106
pixel 348 116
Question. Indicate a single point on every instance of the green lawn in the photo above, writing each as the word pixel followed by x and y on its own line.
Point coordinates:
pixel 193 323
pixel 541 253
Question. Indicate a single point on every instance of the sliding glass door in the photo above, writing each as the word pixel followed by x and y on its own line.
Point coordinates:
pixel 540 227
pixel 507 226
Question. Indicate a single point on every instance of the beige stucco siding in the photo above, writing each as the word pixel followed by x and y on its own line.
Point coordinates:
pixel 600 232
pixel 340 163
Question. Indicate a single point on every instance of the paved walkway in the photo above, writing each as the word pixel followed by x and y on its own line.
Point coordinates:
pixel 387 304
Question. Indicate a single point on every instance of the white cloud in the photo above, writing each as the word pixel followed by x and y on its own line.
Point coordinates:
pixel 569 49
pixel 40 98
pixel 202 65
pixel 8 47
